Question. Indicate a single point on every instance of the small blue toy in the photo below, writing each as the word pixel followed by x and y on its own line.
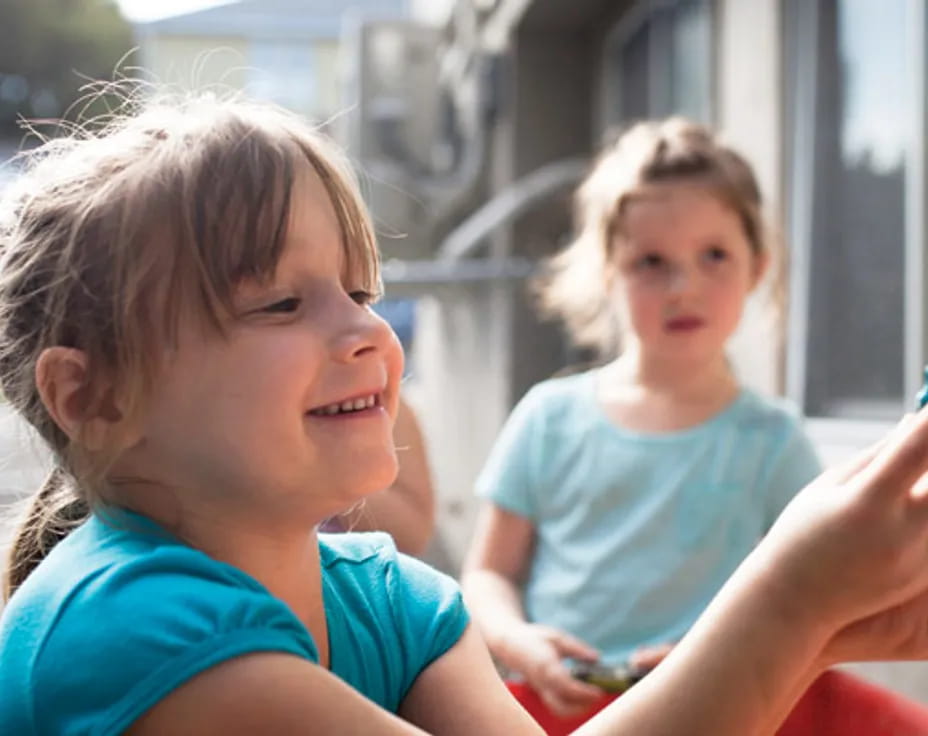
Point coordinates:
pixel 922 397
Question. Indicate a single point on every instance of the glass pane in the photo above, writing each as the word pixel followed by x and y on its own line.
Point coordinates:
pixel 661 64
pixel 692 60
pixel 855 339
pixel 633 71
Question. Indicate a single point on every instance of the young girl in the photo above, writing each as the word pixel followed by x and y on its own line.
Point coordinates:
pixel 184 318
pixel 619 500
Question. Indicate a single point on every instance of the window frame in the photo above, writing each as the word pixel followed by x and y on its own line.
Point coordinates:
pixel 840 435
pixel 631 21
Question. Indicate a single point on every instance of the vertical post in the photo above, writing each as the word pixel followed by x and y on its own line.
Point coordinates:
pixel 916 186
pixel 803 21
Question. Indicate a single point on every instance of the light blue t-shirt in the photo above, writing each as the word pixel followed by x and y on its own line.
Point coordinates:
pixel 635 533
pixel 120 615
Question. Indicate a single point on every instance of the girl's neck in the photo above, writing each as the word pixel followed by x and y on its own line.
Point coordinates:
pixel 684 380
pixel 653 395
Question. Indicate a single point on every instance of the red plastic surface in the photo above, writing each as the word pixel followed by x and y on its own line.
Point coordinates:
pixel 837 704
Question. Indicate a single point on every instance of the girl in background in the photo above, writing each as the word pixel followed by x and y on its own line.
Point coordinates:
pixel 619 500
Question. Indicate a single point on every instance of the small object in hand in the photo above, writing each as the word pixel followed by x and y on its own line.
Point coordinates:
pixel 922 397
pixel 616 679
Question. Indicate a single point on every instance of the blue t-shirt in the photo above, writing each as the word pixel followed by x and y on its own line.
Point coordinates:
pixel 636 532
pixel 121 613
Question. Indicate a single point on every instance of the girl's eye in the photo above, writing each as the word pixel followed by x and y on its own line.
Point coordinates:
pixel 715 254
pixel 362 297
pixel 284 306
pixel 649 262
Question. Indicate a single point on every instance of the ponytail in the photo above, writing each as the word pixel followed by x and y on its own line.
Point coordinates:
pixel 55 510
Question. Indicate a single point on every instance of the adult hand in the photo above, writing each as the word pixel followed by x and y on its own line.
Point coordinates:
pixel 852 547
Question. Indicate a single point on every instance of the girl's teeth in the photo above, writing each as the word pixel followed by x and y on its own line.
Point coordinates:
pixel 347 406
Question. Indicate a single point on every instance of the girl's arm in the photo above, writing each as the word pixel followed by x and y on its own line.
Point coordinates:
pixel 500 551
pixel 461 694
pixel 267 693
pixel 457 695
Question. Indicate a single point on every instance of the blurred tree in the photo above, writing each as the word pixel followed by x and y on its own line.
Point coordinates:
pixel 49 49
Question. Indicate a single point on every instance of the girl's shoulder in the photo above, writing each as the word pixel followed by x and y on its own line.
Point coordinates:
pixel 142 612
pixel 370 563
pixel 754 410
pixel 561 391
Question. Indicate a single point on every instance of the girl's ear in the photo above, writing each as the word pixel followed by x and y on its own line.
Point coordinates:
pixel 761 263
pixel 62 381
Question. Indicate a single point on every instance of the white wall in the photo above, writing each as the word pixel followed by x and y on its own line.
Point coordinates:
pixel 749 116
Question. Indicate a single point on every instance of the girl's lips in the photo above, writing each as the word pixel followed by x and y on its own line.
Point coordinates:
pixel 684 324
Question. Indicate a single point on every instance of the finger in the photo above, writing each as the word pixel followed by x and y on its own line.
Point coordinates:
pixel 571 646
pixel 570 696
pixel 647 658
pixel 901 461
pixel 845 471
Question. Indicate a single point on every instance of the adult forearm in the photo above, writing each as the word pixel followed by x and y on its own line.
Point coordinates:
pixel 737 673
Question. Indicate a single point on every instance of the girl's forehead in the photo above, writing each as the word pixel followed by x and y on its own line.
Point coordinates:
pixel 674 202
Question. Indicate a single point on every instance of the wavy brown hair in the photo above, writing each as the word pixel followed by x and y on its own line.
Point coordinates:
pixel 573 287
pixel 111 233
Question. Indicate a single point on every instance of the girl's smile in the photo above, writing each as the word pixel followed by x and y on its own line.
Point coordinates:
pixel 365 404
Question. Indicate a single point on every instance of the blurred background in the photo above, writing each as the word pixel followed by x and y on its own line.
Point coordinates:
pixel 470 121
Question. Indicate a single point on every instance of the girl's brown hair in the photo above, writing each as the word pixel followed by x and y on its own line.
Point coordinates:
pixel 109 237
pixel 573 286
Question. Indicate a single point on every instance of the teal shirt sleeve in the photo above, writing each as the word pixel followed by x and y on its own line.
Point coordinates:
pixel 390 616
pixel 793 465
pixel 157 621
pixel 508 476
pixel 428 610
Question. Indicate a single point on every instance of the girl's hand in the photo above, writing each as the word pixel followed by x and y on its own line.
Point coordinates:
pixel 537 651
pixel 850 553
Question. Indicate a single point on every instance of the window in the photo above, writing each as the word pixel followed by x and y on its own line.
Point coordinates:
pixel 853 168
pixel 658 61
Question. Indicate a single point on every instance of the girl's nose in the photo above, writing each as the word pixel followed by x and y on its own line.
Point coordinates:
pixel 681 279
pixel 365 333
